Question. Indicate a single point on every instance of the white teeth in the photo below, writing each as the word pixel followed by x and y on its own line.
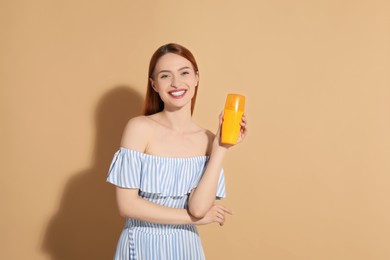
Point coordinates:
pixel 178 93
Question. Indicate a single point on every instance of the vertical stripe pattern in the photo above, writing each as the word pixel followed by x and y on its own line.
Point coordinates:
pixel 167 181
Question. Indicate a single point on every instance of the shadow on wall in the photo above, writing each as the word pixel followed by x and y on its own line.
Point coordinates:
pixel 87 225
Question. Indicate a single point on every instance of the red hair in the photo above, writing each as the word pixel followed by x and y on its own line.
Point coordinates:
pixel 153 103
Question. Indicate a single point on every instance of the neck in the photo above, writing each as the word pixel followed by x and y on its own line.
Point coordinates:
pixel 179 120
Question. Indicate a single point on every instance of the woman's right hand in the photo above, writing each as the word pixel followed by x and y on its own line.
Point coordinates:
pixel 216 214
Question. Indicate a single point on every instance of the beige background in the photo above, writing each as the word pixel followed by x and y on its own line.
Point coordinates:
pixel 310 182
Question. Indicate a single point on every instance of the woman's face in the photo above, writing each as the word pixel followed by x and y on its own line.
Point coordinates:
pixel 175 80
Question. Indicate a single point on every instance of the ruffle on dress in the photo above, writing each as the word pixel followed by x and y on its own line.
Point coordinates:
pixel 166 176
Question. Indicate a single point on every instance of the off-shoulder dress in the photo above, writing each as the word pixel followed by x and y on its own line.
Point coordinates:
pixel 167 181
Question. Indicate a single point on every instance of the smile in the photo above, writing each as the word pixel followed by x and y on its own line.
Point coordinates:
pixel 178 93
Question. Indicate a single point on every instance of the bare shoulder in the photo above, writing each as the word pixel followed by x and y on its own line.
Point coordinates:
pixel 136 133
pixel 210 135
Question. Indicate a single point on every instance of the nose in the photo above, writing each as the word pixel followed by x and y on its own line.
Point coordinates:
pixel 175 82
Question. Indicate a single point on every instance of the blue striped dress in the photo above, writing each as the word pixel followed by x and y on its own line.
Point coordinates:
pixel 167 181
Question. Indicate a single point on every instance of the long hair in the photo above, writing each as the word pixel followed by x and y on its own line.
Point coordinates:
pixel 153 103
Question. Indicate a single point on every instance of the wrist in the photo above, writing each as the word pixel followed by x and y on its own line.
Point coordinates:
pixel 218 150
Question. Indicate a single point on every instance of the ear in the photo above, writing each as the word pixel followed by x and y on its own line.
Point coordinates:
pixel 197 78
pixel 152 84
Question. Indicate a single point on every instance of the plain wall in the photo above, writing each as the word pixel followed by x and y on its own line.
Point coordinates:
pixel 311 180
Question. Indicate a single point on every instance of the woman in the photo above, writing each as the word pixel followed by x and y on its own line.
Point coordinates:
pixel 168 170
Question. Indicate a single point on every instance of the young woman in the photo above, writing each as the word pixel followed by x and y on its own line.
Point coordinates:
pixel 168 170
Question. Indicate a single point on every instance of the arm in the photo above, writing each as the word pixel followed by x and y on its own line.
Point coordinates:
pixel 203 197
pixel 132 206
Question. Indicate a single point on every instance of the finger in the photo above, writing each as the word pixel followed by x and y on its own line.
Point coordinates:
pixel 220 212
pixel 226 210
pixel 221 116
pixel 244 129
pixel 221 221
pixel 243 118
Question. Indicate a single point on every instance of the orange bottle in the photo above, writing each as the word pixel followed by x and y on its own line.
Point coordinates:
pixel 234 109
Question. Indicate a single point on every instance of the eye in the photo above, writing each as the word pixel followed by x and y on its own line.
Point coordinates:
pixel 185 73
pixel 164 76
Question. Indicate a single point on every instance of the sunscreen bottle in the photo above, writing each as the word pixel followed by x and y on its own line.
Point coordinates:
pixel 232 116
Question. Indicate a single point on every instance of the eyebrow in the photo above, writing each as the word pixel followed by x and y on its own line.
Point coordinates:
pixel 183 68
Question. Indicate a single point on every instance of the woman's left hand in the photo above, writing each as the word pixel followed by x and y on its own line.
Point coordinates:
pixel 241 136
pixel 243 130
